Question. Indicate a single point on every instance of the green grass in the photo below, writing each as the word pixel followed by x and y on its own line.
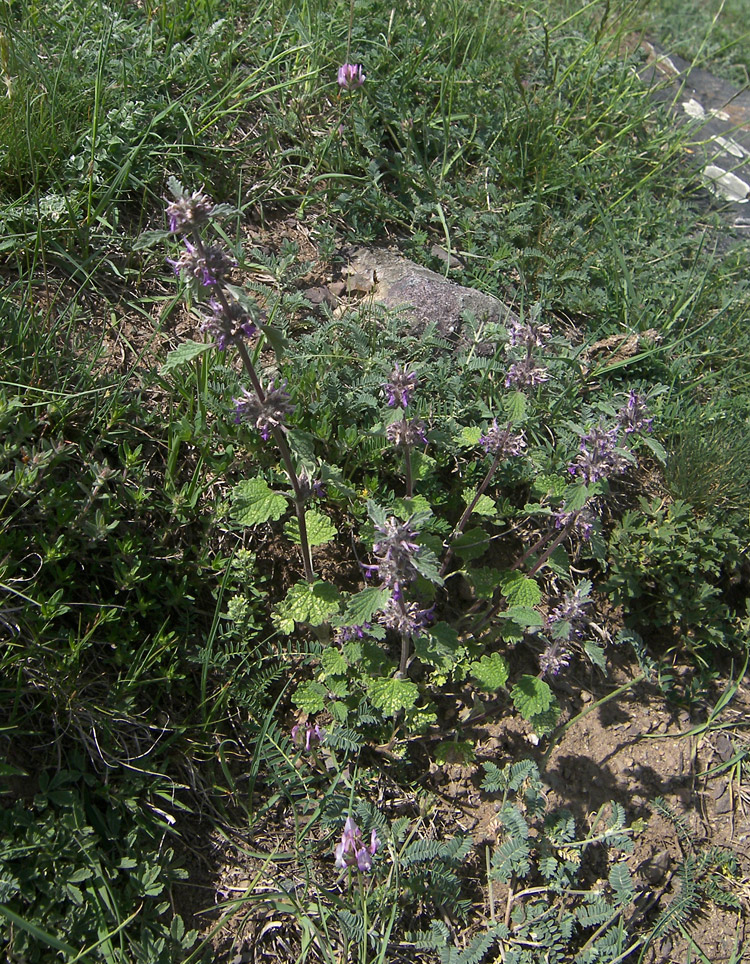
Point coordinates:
pixel 146 641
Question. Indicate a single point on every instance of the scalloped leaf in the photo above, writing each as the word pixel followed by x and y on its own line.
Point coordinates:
pixel 523 616
pixel 439 646
pixel 515 407
pixel 312 603
pixel 363 605
pixel 310 697
pixel 320 529
pixel 186 352
pixel 332 662
pixel 490 672
pixel 531 696
pixel 471 544
pixel 484 581
pixel 390 695
pixel 519 590
pixel 470 435
pixel 254 502
pixel 485 507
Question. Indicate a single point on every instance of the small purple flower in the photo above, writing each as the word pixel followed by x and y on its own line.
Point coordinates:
pixel 351 75
pixel 581 522
pixel 528 334
pixel 526 374
pixel 569 619
pixel 407 433
pixel 268 415
pixel 345 634
pixel 189 212
pixel 352 851
pixel 309 737
pixel 406 618
pixel 395 551
pixel 502 442
pixel 598 456
pixel 399 386
pixel 633 416
pixel 209 264
pixel 553 658
pixel 228 327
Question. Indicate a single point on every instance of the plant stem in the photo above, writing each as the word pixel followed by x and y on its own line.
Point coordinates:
pixel 467 512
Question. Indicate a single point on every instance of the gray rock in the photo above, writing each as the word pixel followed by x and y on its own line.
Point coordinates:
pixel 426 297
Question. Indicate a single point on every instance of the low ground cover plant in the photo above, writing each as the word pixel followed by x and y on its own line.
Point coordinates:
pixel 252 559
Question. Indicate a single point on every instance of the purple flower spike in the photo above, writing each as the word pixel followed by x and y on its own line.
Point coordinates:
pixel 265 416
pixel 598 457
pixel 352 851
pixel 395 550
pixel 228 326
pixel 209 265
pixel 399 386
pixel 189 212
pixel 526 374
pixel 502 442
pixel 527 335
pixel 350 76
pixel 406 618
pixel 407 434
pixel 633 416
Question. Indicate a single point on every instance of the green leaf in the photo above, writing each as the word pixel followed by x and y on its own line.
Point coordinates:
pixel 312 603
pixel 470 436
pixel 320 529
pixel 302 445
pixel 363 605
pixel 150 239
pixel 391 695
pixel 520 590
pixel 184 353
pixel 515 406
pixel 311 697
pixel 484 580
pixel 471 544
pixel 523 616
pixel 253 502
pixel 454 751
pixel 576 497
pixel 596 654
pixel 531 696
pixel 485 506
pixel 332 662
pixel 549 485
pixel 656 447
pixel 490 672
pixel 545 721
pixel 439 646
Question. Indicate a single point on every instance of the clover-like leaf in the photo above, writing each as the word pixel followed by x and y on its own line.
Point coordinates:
pixel 185 352
pixel 531 696
pixel 490 672
pixel 390 695
pixel 254 502
pixel 320 529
